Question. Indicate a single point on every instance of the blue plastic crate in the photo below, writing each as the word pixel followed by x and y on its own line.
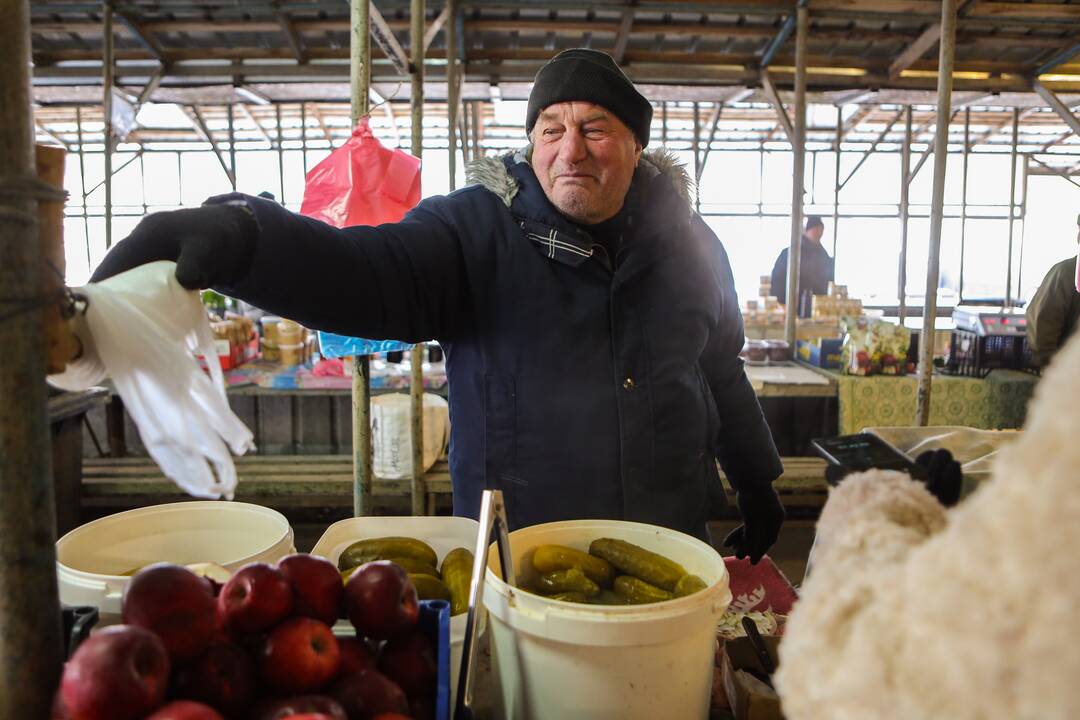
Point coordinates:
pixel 435 624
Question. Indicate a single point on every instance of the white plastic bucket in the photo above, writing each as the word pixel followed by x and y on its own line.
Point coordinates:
pixel 91 559
pixel 561 660
pixel 443 534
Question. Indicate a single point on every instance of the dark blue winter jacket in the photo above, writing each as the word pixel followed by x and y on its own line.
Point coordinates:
pixel 578 390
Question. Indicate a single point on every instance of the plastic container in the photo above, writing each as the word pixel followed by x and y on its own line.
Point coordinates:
pixel 92 559
pixel 434 622
pixel 291 354
pixel 443 534
pixel 557 660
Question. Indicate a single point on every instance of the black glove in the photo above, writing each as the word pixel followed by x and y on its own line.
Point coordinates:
pixel 762 515
pixel 942 475
pixel 211 245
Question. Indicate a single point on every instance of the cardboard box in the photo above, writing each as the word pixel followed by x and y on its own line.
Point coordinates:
pixel 747 702
pixel 822 353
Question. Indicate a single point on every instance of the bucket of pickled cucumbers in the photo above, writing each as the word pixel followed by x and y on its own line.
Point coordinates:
pixel 611 619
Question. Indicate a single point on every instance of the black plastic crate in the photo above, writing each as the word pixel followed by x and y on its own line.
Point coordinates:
pixel 975 356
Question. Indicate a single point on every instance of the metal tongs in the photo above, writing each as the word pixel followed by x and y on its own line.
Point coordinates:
pixel 492 516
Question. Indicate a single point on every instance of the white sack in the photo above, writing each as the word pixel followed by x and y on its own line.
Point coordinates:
pixel 392 439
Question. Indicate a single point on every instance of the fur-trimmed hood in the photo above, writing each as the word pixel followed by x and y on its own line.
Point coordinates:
pixel 494 173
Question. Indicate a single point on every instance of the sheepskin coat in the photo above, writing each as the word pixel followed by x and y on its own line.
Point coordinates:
pixel 915 612
pixel 580 387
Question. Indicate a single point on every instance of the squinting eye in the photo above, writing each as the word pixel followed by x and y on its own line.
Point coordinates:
pixel 551 131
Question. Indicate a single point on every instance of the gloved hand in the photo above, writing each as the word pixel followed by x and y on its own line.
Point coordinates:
pixel 942 475
pixel 762 515
pixel 211 245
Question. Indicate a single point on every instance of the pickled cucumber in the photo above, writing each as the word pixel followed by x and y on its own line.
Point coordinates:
pixel 571 580
pixel 643 564
pixel 412 565
pixel 688 585
pixel 385 548
pixel 638 592
pixel 457 574
pixel 574 597
pixel 549 558
pixel 429 587
pixel 608 597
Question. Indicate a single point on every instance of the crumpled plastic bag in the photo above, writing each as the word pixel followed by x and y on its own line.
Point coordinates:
pixel 141 328
pixel 391 434
pixel 362 182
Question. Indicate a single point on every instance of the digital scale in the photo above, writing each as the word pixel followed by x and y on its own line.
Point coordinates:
pixel 991 321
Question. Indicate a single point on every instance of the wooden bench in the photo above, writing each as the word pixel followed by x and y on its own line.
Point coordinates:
pixel 326 481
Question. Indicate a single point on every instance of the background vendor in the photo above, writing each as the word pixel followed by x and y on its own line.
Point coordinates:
pixel 1053 312
pixel 815 267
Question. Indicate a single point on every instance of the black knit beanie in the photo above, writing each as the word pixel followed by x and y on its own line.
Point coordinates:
pixel 590 76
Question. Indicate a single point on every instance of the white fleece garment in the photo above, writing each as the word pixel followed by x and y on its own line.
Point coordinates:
pixel 917 613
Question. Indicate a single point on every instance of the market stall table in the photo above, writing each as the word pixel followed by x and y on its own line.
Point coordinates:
pixel 998 401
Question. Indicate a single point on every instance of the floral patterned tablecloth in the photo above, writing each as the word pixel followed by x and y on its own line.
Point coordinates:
pixel 996 402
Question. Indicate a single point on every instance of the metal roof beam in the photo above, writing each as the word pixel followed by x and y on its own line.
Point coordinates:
pixel 778 106
pixel 1059 59
pixel 1057 106
pixel 385 39
pixel 436 27
pixel 203 130
pixel 913 52
pixel 622 36
pixel 781 37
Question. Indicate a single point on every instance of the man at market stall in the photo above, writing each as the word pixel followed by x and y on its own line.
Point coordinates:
pixel 815 267
pixel 1054 310
pixel 589 318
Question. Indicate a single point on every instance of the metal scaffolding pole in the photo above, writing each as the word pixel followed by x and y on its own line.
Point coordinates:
pixel 453 89
pixel 963 200
pixel 1023 226
pixel 697 157
pixel 108 68
pixel 416 381
pixel 360 82
pixel 82 184
pixel 663 123
pixel 303 136
pixel 232 147
pixel 937 206
pixel 280 155
pixel 30 645
pixel 1012 205
pixel 836 183
pixel 905 168
pixel 798 147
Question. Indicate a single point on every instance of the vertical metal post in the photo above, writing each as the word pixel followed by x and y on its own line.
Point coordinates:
pixel 697 157
pixel 797 186
pixel 905 170
pixel 466 149
pixel 663 123
pixel 963 201
pixel 82 184
pixel 359 81
pixel 477 152
pixel 280 154
pixel 937 206
pixel 453 89
pixel 1023 227
pixel 232 146
pixel 1012 205
pixel 836 180
pixel 107 69
pixel 303 135
pixel 30 646
pixel 142 177
pixel 416 381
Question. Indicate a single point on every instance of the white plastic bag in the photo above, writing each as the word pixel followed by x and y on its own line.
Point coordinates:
pixel 141 329
pixel 391 437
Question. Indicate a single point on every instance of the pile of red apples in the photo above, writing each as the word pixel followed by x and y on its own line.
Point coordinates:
pixel 258 647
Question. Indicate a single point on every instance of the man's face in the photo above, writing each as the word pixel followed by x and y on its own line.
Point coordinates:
pixel 815 233
pixel 584 157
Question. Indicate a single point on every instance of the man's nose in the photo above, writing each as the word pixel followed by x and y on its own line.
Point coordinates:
pixel 573 148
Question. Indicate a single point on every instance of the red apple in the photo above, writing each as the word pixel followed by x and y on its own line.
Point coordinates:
pixel 409 660
pixel 118 673
pixel 309 716
pixel 381 601
pixel 356 655
pixel 370 693
pixel 256 598
pixel 392 716
pixel 300 655
pixel 176 605
pixel 58 710
pixel 317 586
pixel 319 706
pixel 223 677
pixel 186 710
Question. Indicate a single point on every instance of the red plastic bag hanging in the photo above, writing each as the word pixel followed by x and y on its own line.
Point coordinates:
pixel 362 183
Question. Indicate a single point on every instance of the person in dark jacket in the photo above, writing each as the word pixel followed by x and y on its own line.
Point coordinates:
pixel 815 267
pixel 1054 311
pixel 589 317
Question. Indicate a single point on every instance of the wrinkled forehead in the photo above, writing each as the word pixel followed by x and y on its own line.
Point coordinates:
pixel 577 112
